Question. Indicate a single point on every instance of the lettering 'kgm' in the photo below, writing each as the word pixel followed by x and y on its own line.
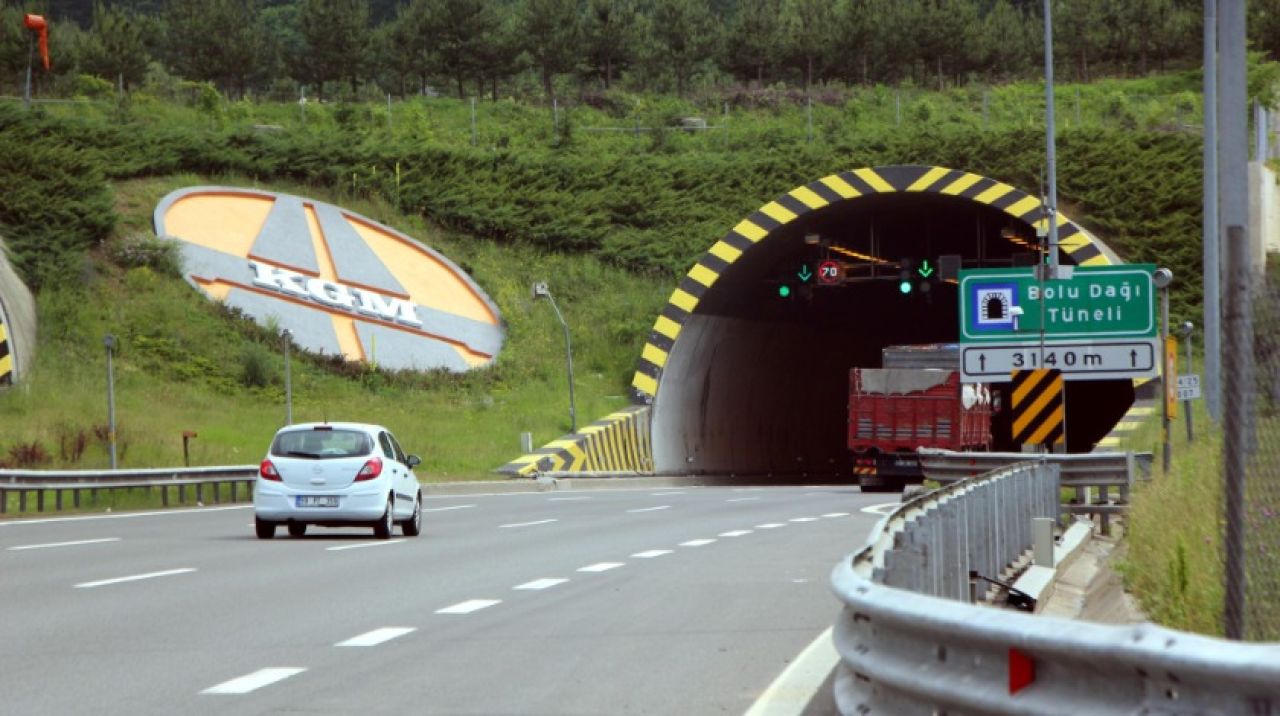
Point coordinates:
pixel 335 295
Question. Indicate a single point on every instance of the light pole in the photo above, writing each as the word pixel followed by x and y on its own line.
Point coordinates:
pixel 109 342
pixel 1187 329
pixel 540 290
pixel 1162 278
pixel 288 383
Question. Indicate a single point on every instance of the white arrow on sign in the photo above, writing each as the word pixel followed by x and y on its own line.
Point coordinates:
pixel 1077 360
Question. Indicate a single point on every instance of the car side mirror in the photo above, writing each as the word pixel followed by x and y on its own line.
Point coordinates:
pixel 413 461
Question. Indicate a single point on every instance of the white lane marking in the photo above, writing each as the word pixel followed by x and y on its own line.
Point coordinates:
pixel 600 567
pixel 527 524
pixel 881 510
pixel 696 542
pixel 540 584
pixel 377 636
pixel 747 489
pixel 134 578
pixel 651 509
pixel 770 526
pixel 362 545
pixel 742 499
pixel 804 519
pixel 735 533
pixel 836 514
pixel 256 680
pixel 471 605
pixel 157 513
pixel 567 499
pixel 446 509
pixel 63 544
pixel 661 494
pixel 651 553
pixel 795 687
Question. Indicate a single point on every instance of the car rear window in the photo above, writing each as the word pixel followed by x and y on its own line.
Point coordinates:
pixel 322 444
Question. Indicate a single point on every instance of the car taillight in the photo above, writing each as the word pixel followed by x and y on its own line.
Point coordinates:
pixel 267 471
pixel 371 469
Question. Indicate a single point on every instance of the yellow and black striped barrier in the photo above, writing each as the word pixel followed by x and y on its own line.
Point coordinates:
pixel 619 442
pixel 6 358
pixel 1039 407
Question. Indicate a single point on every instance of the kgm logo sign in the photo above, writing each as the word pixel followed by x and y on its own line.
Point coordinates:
pixel 343 284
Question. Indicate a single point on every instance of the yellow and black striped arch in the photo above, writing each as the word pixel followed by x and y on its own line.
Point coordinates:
pixel 619 442
pixel 6 357
pixel 1082 247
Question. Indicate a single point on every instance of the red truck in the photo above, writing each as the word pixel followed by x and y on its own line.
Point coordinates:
pixel 895 411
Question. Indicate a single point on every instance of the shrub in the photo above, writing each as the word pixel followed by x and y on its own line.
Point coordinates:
pixel 141 250
pixel 25 456
pixel 255 366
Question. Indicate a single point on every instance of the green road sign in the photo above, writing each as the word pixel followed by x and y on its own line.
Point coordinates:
pixel 1096 303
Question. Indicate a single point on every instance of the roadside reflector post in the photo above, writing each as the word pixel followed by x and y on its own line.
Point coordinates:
pixel 1022 671
pixel 1042 533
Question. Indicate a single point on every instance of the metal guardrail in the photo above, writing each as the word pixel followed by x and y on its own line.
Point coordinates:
pixel 906 652
pixel 39 482
pixel 1093 476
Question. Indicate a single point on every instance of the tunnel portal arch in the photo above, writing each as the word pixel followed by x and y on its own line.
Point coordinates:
pixel 739 382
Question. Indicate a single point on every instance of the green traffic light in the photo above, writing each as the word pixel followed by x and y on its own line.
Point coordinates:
pixel 904 286
pixel 784 290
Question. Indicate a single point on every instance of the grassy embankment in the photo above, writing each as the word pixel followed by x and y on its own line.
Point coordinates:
pixel 184 364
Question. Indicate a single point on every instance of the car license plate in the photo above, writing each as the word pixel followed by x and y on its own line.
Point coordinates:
pixel 317 501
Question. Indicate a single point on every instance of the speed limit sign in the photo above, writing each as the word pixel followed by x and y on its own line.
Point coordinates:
pixel 830 272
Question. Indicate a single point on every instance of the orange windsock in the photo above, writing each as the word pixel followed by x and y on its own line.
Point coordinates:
pixel 36 23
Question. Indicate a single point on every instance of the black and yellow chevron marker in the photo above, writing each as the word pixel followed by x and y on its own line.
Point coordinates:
pixel 1083 248
pixel 619 442
pixel 1039 407
pixel 6 358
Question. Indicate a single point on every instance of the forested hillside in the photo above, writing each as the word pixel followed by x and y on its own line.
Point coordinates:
pixel 500 47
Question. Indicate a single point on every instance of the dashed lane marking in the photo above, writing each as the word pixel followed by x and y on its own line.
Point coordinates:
pixel 446 509
pixel 63 544
pixel 771 525
pixel 134 578
pixel 540 584
pixel 735 533
pixel 696 542
pixel 651 509
pixel 650 554
pixel 362 545
pixel 660 494
pixel 567 499
pixel 742 499
pixel 471 605
pixel 377 636
pixel 527 524
pixel 600 567
pixel 256 680
pixel 836 514
pixel 804 519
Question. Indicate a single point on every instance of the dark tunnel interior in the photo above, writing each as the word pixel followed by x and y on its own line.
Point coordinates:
pixel 758 382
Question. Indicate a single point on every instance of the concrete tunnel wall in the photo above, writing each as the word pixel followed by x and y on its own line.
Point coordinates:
pixel 755 395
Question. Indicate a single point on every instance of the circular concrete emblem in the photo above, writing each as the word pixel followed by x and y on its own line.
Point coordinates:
pixel 342 284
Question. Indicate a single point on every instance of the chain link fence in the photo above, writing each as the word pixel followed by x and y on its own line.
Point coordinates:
pixel 1261 491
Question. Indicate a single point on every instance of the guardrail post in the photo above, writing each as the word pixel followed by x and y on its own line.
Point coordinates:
pixel 57 500
pixel 199 492
pixel 234 484
pixel 4 501
pixel 182 494
pixel 164 495
pixel 217 493
pixel 1042 527
pixel 22 501
pixel 39 500
pixel 1104 499
pixel 75 498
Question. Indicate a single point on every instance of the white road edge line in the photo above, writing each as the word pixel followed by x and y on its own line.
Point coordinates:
pixel 377 636
pixel 601 566
pixel 567 499
pixel 157 513
pixel 651 509
pixel 379 543
pixel 63 544
pixel 446 509
pixel 795 687
pixel 541 583
pixel 527 524
pixel 663 494
pixel 471 605
pixel 134 578
pixel 256 680
pixel 881 510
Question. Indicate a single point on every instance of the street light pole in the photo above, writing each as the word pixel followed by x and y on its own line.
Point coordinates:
pixel 1051 144
pixel 110 343
pixel 288 383
pixel 1162 278
pixel 540 290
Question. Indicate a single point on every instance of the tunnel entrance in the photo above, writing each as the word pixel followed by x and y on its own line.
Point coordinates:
pixel 754 380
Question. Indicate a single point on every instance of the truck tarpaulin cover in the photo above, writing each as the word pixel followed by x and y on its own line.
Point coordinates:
pixel 899 382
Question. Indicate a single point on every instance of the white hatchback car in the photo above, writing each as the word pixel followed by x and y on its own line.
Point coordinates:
pixel 337 475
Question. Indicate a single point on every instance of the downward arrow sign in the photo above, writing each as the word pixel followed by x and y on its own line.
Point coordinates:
pixel 925 269
pixel 805 274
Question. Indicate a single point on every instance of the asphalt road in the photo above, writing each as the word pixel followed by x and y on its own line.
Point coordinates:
pixel 649 601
